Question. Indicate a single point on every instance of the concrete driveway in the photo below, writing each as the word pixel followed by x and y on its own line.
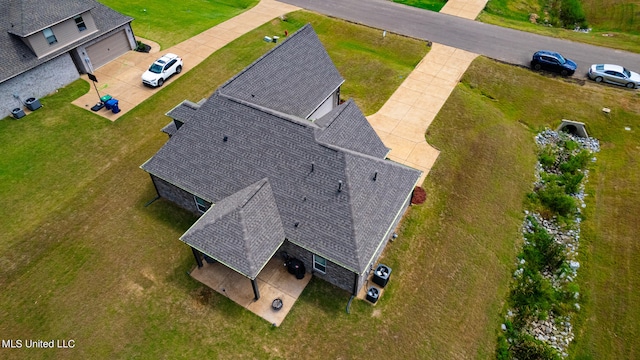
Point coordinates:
pixel 121 78
pixel 403 120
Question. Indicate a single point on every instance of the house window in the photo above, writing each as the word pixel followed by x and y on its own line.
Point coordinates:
pixel 319 264
pixel 202 205
pixel 48 34
pixel 80 23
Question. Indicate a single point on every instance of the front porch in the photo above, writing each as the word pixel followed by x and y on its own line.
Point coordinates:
pixel 274 281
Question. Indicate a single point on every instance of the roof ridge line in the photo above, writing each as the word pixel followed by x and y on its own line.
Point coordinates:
pixel 291 118
pixel 264 181
pixel 307 25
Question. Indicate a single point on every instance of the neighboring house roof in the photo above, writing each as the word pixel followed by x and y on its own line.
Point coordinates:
pixel 24 17
pixel 30 16
pixel 243 230
pixel 293 78
pixel 334 198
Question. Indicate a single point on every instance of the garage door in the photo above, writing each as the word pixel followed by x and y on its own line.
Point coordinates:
pixel 108 49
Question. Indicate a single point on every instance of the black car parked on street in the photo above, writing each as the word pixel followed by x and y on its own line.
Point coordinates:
pixel 553 61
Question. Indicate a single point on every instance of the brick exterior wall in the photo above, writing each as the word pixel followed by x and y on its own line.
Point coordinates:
pixel 38 82
pixel 335 274
pixel 374 262
pixel 176 195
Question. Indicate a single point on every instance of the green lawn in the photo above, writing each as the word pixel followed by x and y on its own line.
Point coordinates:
pixel 171 23
pixel 609 322
pixel 82 258
pixel 615 23
pixel 433 5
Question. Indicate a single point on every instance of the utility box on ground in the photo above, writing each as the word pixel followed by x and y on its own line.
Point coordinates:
pixel 18 113
pixel 33 104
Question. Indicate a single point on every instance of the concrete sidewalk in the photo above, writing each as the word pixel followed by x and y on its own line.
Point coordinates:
pixel 121 78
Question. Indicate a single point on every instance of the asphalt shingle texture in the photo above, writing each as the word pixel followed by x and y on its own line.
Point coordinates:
pixel 290 78
pixel 345 126
pixel 334 197
pixel 242 231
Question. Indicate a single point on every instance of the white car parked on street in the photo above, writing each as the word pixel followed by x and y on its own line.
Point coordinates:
pixel 614 74
pixel 162 69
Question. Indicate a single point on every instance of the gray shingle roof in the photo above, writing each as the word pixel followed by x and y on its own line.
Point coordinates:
pixel 346 127
pixel 170 128
pixel 184 110
pixel 344 226
pixel 242 231
pixel 16 57
pixel 293 78
pixel 29 16
pixel 334 198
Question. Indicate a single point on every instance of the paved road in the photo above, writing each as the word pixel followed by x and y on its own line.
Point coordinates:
pixel 499 43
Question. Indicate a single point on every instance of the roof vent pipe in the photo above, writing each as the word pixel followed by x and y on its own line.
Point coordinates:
pixel 225 138
pixel 375 176
pixel 312 166
pixel 339 185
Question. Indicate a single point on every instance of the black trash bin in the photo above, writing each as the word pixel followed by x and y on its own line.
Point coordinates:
pixel 18 113
pixel 373 294
pixel 33 104
pixel 381 275
pixel 296 267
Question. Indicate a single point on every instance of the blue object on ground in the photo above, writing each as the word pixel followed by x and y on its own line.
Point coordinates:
pixel 112 104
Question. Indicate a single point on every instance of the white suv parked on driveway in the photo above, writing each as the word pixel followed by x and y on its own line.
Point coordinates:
pixel 162 69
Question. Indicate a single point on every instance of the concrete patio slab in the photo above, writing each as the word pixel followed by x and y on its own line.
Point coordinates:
pixel 274 282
